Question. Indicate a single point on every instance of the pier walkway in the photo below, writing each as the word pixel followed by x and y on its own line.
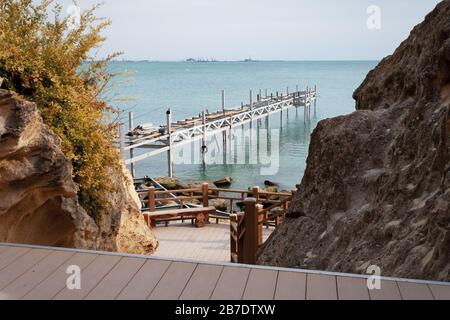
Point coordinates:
pixel 176 134
pixel 32 272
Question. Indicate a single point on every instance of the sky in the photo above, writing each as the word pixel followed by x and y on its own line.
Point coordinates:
pixel 172 30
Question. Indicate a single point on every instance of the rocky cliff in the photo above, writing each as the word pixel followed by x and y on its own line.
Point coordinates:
pixel 38 198
pixel 376 190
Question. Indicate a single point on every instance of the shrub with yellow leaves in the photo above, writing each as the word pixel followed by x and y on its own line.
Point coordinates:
pixel 47 59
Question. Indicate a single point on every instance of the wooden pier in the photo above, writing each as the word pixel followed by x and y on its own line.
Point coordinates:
pixel 176 134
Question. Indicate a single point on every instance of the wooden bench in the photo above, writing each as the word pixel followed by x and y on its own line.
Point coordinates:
pixel 199 214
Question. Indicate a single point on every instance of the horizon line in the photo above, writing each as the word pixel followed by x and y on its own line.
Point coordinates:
pixel 258 60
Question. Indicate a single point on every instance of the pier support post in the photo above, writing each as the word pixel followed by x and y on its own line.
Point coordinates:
pixel 230 141
pixel 223 101
pixel 281 118
pixel 203 151
pixel 251 231
pixel 131 127
pixel 169 142
pixel 315 99
pixel 266 93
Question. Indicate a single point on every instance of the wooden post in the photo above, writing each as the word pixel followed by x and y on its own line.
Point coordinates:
pixel 233 238
pixel 131 127
pixel 169 140
pixel 236 242
pixel 255 193
pixel 205 200
pixel 287 91
pixel 296 88
pixel 251 100
pixel 260 95
pixel 260 221
pixel 122 140
pixel 251 231
pixel 151 199
pixel 223 101
pixel 205 194
pixel 266 93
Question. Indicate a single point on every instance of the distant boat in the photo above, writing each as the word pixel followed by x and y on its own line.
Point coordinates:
pixel 200 60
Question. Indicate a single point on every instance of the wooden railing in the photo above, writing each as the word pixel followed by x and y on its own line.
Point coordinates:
pixel 246 227
pixel 246 234
pixel 203 194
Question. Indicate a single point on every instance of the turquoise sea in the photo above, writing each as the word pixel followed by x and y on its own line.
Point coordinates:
pixel 149 88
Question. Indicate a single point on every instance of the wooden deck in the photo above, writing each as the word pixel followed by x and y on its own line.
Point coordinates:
pixel 30 272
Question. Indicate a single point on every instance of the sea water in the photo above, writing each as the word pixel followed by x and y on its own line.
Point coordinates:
pixel 148 89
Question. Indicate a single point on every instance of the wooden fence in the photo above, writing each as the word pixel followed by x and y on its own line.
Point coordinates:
pixel 246 227
pixel 203 194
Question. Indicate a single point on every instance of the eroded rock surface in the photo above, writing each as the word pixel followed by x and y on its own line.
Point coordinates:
pixel 376 190
pixel 38 198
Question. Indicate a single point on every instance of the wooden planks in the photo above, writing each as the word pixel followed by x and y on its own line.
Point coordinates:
pixel 39 272
pixel 352 288
pixel 414 291
pixel 113 283
pixel 440 292
pixel 57 281
pixel 10 254
pixel 260 285
pixel 321 287
pixel 173 282
pixel 21 265
pixel 388 291
pixel 202 283
pixel 90 276
pixel 231 284
pixel 291 286
pixel 145 280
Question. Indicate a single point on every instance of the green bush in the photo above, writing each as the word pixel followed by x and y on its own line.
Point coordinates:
pixel 48 61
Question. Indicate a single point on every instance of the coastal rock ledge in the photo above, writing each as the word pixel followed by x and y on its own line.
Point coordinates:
pixel 38 198
pixel 376 190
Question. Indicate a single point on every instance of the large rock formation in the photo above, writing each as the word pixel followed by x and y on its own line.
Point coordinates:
pixel 38 198
pixel 376 190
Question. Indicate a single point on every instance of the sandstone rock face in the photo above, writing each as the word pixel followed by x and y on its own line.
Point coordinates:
pixel 376 190
pixel 38 198
pixel 122 226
